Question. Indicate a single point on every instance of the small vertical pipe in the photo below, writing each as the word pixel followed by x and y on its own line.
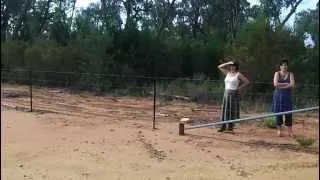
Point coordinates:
pixel 181 129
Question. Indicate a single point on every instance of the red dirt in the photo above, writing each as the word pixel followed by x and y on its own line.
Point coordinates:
pixel 82 136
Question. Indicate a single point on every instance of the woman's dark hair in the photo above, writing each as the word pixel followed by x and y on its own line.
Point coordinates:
pixel 284 61
pixel 235 64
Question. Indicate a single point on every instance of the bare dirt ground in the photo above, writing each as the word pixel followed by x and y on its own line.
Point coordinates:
pixel 82 136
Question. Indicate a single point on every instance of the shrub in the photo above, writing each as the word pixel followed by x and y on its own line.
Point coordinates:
pixel 269 123
pixel 304 141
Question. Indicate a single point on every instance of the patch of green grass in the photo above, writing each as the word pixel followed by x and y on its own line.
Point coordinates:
pixel 269 123
pixel 304 141
pixel 308 114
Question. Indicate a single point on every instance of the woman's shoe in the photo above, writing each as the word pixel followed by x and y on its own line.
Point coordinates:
pixel 230 129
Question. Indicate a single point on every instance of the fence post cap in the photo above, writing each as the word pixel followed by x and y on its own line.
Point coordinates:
pixel 185 120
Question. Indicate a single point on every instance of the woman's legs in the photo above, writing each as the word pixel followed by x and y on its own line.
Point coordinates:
pixel 230 109
pixel 276 107
pixel 290 131
pixel 288 123
pixel 235 109
pixel 230 113
pixel 224 113
pixel 279 122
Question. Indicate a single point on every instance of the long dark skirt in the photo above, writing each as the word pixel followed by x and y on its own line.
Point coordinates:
pixel 282 102
pixel 230 107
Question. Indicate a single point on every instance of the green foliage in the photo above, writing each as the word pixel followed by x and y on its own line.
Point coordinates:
pixel 269 123
pixel 308 21
pixel 259 47
pixel 201 89
pixel 12 53
pixel 60 33
pixel 304 141
pixel 178 39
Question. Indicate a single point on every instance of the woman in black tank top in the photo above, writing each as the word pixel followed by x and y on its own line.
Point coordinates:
pixel 283 82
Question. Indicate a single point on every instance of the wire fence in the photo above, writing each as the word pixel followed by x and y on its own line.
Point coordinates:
pixel 159 97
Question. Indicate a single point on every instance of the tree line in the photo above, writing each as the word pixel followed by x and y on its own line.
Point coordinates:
pixel 164 38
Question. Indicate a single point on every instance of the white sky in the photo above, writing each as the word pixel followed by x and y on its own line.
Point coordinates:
pixel 305 4
pixel 85 3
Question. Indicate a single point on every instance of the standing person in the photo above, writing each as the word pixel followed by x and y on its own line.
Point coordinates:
pixel 283 82
pixel 234 82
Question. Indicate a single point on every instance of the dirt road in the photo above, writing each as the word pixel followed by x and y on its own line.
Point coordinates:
pixel 82 137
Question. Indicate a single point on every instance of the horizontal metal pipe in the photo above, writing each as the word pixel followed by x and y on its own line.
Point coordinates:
pixel 252 118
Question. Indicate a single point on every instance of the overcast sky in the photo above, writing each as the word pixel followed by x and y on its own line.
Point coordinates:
pixel 306 4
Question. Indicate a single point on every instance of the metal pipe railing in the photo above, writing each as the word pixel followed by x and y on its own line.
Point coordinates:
pixel 182 128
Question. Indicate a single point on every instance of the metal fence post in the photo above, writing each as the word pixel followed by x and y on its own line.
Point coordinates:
pixel 154 102
pixel 30 89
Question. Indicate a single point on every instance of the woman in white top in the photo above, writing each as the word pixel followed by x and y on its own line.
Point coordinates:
pixel 234 82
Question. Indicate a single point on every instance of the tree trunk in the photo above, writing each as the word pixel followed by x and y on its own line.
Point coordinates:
pixel 22 20
pixel 164 19
pixel 4 19
pixel 45 17
pixel 128 7
pixel 196 15
pixel 292 11
pixel 73 8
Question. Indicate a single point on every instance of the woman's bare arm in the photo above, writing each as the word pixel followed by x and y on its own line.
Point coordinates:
pixel 245 81
pixel 276 83
pixel 292 82
pixel 223 66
